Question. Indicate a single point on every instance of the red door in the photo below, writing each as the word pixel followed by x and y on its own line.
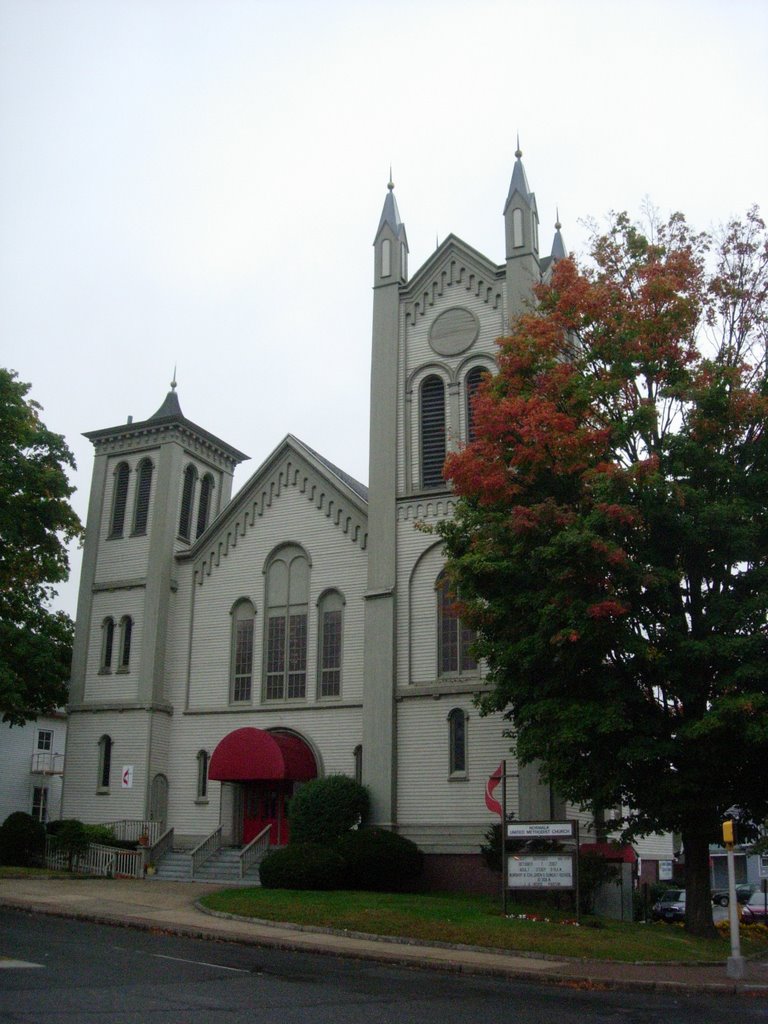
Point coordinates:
pixel 265 804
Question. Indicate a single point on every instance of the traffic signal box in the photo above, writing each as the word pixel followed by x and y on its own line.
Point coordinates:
pixel 729 832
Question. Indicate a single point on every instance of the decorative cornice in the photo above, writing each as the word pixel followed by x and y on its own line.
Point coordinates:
pixel 426 508
pixel 133 437
pixel 289 469
pixel 90 708
pixel 454 265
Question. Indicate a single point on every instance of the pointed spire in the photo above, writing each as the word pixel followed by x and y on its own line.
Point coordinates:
pixel 170 406
pixel 173 382
pixel 519 181
pixel 559 251
pixel 390 214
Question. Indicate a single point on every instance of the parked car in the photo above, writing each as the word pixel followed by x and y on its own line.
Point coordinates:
pixel 743 892
pixel 671 906
pixel 753 911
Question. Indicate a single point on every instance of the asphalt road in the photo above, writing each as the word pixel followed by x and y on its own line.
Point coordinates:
pixel 61 971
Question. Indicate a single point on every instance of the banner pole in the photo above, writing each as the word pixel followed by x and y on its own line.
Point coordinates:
pixel 504 837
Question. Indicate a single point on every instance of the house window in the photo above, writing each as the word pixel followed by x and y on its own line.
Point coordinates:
pixel 432 431
pixel 472 382
pixel 286 625
pixel 45 739
pixel 204 505
pixel 143 491
pixel 329 623
pixel 107 644
pixel 187 498
pixel 40 804
pixel 119 500
pixel 202 775
pixel 105 761
pixel 454 638
pixel 357 754
pixel 242 651
pixel 126 633
pixel 457 742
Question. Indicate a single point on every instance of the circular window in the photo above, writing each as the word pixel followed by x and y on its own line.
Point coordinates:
pixel 453 332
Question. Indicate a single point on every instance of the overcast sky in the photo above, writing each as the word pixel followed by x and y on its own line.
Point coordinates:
pixel 198 182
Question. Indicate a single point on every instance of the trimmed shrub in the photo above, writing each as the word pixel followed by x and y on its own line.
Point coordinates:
pixel 22 840
pixel 379 860
pixel 324 809
pixel 71 835
pixel 302 866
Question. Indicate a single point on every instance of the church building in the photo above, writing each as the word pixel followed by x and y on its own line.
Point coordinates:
pixel 228 649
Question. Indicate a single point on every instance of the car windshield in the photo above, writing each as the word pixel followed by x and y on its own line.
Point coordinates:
pixel 673 896
pixel 757 899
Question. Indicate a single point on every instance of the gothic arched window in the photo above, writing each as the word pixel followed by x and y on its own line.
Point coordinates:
pixel 187 498
pixel 204 504
pixel 107 643
pixel 472 382
pixel 457 741
pixel 242 651
pixel 126 635
pixel 330 614
pixel 119 500
pixel 202 775
pixel 432 431
pixel 454 639
pixel 105 761
pixel 143 491
pixel 286 624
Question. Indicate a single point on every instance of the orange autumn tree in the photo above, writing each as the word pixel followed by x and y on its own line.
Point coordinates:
pixel 610 540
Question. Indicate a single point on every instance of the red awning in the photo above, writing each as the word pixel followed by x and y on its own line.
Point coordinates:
pixel 610 851
pixel 253 754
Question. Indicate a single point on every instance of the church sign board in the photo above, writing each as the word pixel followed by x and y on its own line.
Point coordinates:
pixel 541 871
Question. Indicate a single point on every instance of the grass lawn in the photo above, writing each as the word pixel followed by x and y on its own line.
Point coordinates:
pixel 476 921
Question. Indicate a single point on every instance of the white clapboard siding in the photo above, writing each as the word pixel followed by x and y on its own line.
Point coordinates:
pixel 335 562
pixel 426 793
pixel 106 687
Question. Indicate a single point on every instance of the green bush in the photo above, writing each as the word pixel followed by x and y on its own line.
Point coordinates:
pixel 302 866
pixel 379 860
pixel 324 809
pixel 22 840
pixel 71 836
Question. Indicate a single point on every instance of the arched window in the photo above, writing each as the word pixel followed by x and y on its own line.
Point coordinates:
pixel 286 624
pixel 357 754
pixel 119 500
pixel 329 628
pixel 105 761
pixel 202 775
pixel 143 491
pixel 126 633
pixel 472 382
pixel 457 742
pixel 386 257
pixel 453 638
pixel 517 228
pixel 242 652
pixel 187 498
pixel 107 643
pixel 432 431
pixel 204 505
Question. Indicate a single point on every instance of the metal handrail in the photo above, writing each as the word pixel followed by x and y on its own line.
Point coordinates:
pixel 253 852
pixel 153 853
pixel 205 850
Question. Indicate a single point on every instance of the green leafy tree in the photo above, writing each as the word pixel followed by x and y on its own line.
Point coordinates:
pixel 324 809
pixel 610 542
pixel 36 523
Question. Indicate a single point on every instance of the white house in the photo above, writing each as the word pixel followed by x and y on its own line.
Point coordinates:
pixel 32 766
pixel 228 649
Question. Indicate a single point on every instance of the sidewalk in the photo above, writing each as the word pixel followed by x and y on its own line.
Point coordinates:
pixel 171 907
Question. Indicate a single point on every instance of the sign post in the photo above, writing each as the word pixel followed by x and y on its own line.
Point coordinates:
pixel 735 965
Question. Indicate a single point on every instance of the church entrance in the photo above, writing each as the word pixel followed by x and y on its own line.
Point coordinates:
pixel 266 803
pixel 267 766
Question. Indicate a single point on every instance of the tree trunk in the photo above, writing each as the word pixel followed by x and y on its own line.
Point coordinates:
pixel 698 893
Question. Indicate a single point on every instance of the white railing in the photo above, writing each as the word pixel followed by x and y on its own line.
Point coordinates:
pixel 106 861
pixel 152 854
pixel 255 850
pixel 206 849
pixel 46 763
pixel 132 829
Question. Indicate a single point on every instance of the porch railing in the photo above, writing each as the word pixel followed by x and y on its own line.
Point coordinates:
pixel 105 861
pixel 164 844
pixel 255 850
pixel 132 829
pixel 210 845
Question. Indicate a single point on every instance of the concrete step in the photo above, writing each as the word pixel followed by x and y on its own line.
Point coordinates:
pixel 223 867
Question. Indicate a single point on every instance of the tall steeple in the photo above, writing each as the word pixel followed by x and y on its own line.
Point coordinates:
pixel 391 263
pixel 559 251
pixel 521 228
